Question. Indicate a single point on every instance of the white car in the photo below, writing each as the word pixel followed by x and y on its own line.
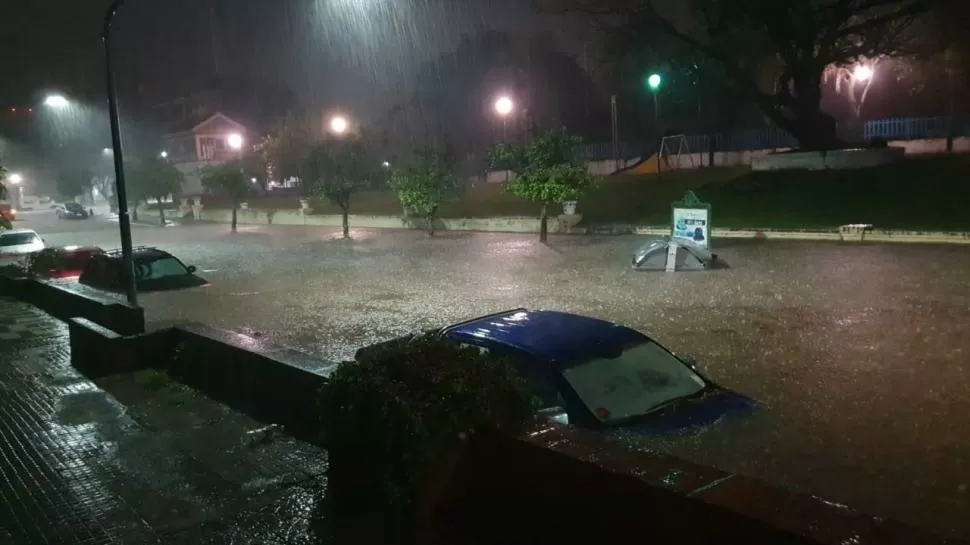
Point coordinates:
pixel 15 244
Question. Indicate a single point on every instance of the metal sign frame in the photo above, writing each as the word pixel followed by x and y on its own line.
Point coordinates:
pixel 691 202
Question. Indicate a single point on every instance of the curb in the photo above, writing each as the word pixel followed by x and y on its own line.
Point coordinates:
pixel 845 234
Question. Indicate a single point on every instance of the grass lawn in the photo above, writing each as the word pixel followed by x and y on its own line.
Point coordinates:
pixel 929 193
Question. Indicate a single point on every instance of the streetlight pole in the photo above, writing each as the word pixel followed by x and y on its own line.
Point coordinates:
pixel 616 134
pixel 654 81
pixel 124 222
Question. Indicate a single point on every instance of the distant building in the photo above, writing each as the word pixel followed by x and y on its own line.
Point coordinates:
pixel 193 145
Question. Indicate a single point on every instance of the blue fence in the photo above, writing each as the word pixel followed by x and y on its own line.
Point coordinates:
pixel 913 128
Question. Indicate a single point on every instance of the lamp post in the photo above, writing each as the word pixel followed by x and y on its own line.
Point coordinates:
pixel 124 222
pixel 17 180
pixel 654 81
pixel 503 107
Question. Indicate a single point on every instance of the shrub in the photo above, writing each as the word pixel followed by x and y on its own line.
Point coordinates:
pixel 391 415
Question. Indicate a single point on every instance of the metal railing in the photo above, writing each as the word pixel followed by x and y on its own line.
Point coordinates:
pixel 914 128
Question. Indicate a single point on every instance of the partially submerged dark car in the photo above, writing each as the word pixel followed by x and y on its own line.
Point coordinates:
pixel 63 262
pixel 596 374
pixel 155 270
pixel 72 211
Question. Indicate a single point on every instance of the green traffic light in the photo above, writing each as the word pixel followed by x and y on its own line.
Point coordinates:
pixel 654 81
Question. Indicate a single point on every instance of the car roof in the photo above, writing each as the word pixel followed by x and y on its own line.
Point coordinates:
pixel 17 232
pixel 555 337
pixel 74 249
pixel 139 252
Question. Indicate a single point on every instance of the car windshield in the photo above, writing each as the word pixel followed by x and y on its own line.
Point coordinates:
pixel 17 239
pixel 74 207
pixel 164 267
pixel 643 377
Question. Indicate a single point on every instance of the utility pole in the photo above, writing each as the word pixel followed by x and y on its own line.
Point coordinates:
pixel 214 40
pixel 951 125
pixel 616 134
pixel 124 222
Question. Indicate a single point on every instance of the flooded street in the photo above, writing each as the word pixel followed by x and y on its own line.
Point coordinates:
pixel 856 352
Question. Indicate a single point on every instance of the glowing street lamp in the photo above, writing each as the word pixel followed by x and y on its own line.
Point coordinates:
pixel 107 152
pixel 339 124
pixel 15 178
pixel 504 106
pixel 56 101
pixel 235 141
pixel 862 73
pixel 164 154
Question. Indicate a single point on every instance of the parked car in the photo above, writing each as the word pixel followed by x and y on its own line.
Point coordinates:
pixel 16 244
pixel 155 270
pixel 72 211
pixel 66 262
pixel 597 374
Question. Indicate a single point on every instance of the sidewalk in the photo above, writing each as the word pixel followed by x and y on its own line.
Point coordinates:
pixel 168 466
pixel 845 233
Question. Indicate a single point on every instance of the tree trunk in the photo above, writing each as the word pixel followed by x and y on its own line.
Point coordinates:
pixel 235 206
pixel 431 218
pixel 161 211
pixel 346 222
pixel 544 223
pixel 797 109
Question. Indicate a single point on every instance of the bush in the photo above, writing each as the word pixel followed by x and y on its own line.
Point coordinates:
pixel 878 142
pixel 391 415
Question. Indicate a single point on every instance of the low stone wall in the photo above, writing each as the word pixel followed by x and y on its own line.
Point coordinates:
pixel 271 383
pixel 500 486
pixel 67 301
pixel 828 160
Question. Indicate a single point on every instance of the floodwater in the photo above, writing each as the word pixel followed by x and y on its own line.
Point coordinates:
pixel 857 352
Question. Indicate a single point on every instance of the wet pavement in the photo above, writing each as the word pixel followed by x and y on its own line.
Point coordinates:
pixel 858 352
pixel 137 458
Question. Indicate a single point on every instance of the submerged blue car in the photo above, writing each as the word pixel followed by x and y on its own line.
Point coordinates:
pixel 596 374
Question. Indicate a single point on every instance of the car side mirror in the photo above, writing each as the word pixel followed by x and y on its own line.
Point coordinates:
pixel 556 414
pixel 192 269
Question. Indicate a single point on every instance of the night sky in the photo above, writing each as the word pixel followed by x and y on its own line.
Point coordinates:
pixel 353 54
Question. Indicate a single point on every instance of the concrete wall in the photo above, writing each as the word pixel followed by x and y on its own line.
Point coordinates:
pixel 837 159
pixel 932 145
pixel 294 217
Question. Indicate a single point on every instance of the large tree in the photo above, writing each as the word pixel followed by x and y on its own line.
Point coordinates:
pixel 339 168
pixel 424 182
pixel 231 180
pixel 153 178
pixel 546 171
pixel 73 182
pixel 773 53
pixel 285 150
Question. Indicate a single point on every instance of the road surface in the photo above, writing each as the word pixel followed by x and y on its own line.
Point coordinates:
pixel 858 352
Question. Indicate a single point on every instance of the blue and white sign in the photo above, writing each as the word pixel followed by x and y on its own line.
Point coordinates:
pixel 692 224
